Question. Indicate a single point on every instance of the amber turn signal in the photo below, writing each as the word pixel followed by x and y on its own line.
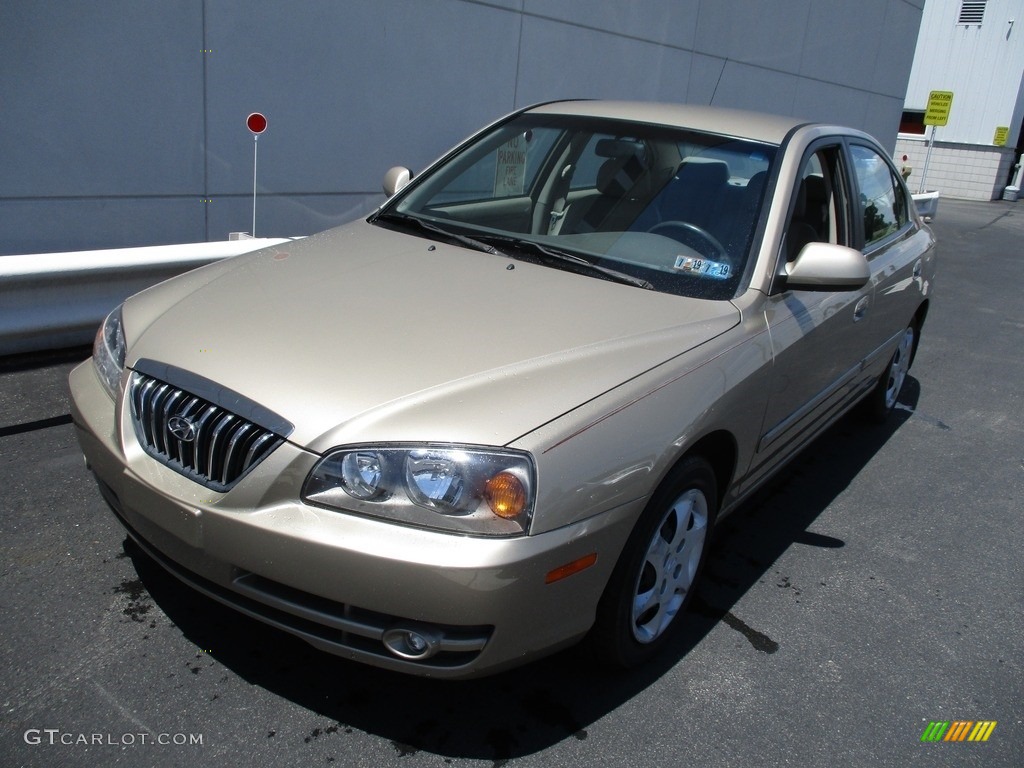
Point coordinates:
pixel 569 569
pixel 505 495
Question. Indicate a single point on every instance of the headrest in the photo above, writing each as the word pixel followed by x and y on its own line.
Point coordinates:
pixel 704 174
pixel 811 192
pixel 618 175
pixel 756 183
pixel 618 147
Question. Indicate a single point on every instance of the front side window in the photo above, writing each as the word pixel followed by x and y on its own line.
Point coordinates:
pixel 883 202
pixel 819 207
pixel 674 209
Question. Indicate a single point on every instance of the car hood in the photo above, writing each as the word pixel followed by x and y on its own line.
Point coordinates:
pixel 366 334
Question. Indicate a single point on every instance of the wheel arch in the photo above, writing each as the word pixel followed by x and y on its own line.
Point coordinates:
pixel 720 450
pixel 922 313
pixel 717 452
pixel 918 321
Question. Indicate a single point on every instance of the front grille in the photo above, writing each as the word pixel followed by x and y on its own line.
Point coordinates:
pixel 203 441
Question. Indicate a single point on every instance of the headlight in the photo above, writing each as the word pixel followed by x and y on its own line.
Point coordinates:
pixel 467 489
pixel 108 352
pixel 362 475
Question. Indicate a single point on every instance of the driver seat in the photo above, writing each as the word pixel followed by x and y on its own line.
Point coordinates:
pixel 696 194
pixel 617 178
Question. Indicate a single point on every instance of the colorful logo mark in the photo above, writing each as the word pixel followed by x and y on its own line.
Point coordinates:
pixel 958 730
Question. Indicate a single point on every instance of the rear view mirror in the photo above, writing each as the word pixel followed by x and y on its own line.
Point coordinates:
pixel 828 267
pixel 395 179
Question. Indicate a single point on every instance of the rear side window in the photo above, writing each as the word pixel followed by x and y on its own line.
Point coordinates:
pixel 883 202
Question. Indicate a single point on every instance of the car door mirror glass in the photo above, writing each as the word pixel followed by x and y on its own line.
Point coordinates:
pixel 828 267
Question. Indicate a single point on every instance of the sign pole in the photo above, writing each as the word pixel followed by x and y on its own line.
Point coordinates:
pixel 927 159
pixel 257 124
pixel 255 148
pixel 936 114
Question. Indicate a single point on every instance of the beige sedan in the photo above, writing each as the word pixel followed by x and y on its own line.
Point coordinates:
pixel 504 412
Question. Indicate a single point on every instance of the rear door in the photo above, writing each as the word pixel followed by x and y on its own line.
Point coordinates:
pixel 893 243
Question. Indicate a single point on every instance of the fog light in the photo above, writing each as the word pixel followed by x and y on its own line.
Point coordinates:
pixel 412 643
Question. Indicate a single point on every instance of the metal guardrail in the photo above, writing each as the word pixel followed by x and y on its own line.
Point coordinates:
pixel 55 300
pixel 927 204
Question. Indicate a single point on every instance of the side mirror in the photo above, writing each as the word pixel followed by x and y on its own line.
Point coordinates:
pixel 395 179
pixel 828 267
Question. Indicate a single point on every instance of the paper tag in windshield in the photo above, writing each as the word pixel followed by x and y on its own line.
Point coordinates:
pixel 703 267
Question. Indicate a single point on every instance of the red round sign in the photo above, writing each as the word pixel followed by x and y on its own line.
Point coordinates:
pixel 256 123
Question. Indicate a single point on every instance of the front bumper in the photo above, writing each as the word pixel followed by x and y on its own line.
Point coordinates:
pixel 343 582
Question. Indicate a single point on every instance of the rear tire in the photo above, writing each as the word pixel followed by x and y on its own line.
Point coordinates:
pixel 883 398
pixel 654 580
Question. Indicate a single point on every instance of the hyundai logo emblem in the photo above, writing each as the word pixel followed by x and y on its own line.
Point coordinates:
pixel 182 428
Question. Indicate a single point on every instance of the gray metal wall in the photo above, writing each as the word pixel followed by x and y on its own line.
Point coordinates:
pixel 123 121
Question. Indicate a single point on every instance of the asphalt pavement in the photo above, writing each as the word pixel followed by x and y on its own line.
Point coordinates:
pixel 875 588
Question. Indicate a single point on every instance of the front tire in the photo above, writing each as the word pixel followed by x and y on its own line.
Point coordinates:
pixel 654 580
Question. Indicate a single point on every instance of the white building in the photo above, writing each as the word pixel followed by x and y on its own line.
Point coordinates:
pixel 975 49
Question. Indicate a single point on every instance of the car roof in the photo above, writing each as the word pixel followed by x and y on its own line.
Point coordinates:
pixel 758 126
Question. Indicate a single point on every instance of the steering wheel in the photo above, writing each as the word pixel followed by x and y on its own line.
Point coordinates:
pixel 688 231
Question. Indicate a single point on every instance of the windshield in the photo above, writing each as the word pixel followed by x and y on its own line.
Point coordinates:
pixel 674 209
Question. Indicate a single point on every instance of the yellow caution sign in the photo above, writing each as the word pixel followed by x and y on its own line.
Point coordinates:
pixel 1002 134
pixel 939 103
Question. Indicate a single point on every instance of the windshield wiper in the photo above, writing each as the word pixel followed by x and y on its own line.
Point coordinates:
pixel 549 255
pixel 437 229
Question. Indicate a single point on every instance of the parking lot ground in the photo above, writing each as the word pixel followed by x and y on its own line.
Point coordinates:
pixel 874 588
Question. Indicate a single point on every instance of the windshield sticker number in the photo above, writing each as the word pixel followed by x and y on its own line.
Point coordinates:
pixel 703 267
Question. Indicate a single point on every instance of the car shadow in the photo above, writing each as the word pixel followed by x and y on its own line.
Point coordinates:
pixel 521 712
pixel 28 361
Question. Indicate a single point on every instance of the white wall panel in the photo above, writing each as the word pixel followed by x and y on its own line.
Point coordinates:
pixel 956 170
pixel 983 66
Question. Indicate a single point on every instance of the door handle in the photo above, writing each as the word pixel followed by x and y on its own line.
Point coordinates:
pixel 861 309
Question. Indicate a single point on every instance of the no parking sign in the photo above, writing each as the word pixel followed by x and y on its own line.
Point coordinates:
pixel 257 123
